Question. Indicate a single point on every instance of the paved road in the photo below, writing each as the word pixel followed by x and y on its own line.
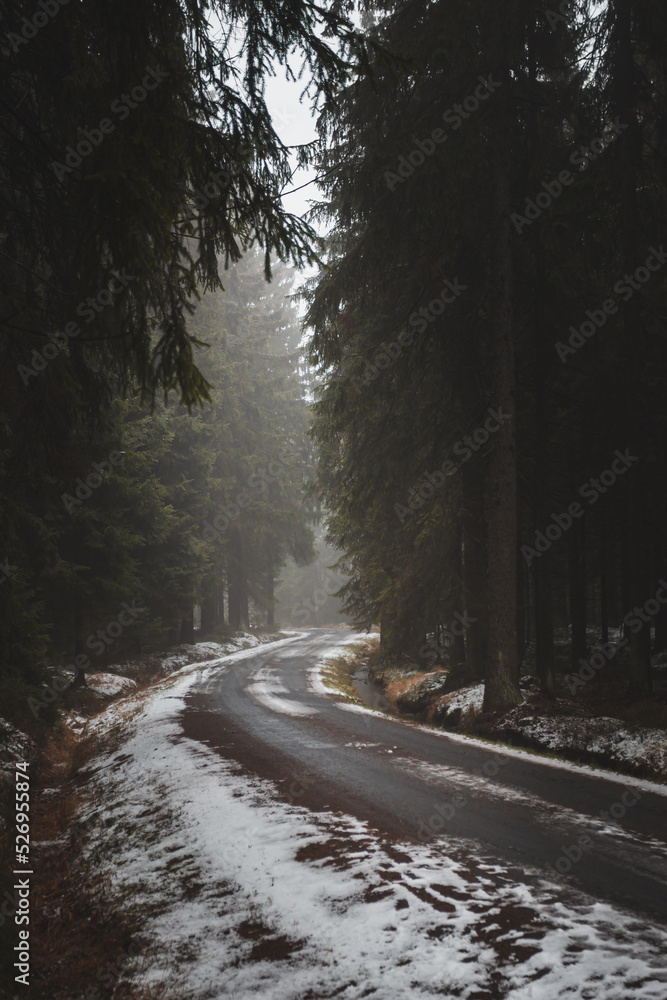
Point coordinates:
pixel 414 784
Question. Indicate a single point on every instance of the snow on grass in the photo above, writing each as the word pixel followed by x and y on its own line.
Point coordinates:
pixel 246 896
pixel 607 737
pixel 465 700
pixel 109 684
pixel 315 674
pixel 198 652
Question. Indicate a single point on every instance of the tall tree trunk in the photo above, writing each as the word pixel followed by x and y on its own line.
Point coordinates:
pixel 457 651
pixel 79 648
pixel 522 599
pixel 629 157
pixel 640 680
pixel 544 623
pixel 188 626
pixel 661 553
pixel 270 596
pixel 604 586
pixel 542 340
pixel 209 610
pixel 474 578
pixel 501 691
pixel 238 579
pixel 625 572
pixel 577 574
pixel 234 578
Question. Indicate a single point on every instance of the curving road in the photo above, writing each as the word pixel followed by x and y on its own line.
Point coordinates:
pixel 601 836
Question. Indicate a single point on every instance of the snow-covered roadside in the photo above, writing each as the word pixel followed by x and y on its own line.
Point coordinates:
pixel 569 732
pixel 470 698
pixel 199 652
pixel 608 739
pixel 110 685
pixel 247 896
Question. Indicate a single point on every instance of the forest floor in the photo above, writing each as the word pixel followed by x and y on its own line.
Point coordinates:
pixel 592 724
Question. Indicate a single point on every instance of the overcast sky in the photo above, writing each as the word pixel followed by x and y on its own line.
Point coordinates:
pixel 294 123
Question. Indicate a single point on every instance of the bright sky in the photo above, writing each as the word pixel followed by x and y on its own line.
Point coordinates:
pixel 295 124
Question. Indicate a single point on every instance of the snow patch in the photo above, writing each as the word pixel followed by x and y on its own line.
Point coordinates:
pixel 109 684
pixel 266 689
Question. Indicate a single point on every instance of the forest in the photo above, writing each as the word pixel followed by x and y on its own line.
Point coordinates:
pixel 471 406
pixel 490 340
pixel 333 499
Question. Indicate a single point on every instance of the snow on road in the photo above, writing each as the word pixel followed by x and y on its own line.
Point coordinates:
pixel 267 690
pixel 246 896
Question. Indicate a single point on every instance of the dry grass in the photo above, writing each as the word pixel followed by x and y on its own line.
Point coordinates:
pixel 398 685
pixel 337 672
pixel 82 941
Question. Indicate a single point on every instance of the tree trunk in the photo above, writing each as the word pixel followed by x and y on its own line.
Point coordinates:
pixel 604 587
pixel 629 156
pixel 457 651
pixel 577 573
pixel 79 674
pixel 640 679
pixel 522 596
pixel 661 618
pixel 501 691
pixel 544 623
pixel 209 610
pixel 238 580
pixel 270 597
pixel 188 627
pixel 474 578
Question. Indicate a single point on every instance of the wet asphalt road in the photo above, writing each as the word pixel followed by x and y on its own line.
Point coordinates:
pixel 602 837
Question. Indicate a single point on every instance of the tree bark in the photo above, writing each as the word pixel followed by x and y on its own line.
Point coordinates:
pixel 209 610
pixel 604 587
pixel 577 573
pixel 238 580
pixel 188 627
pixel 474 578
pixel 639 645
pixel 270 597
pixel 501 691
pixel 457 652
pixel 544 623
pixel 79 674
